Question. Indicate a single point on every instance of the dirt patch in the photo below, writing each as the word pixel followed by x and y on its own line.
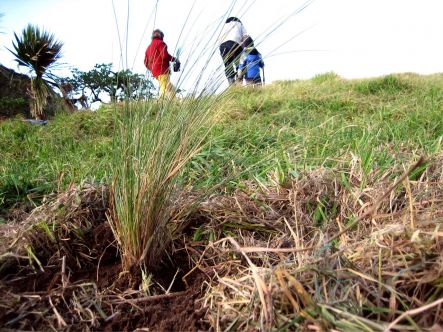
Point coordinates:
pixel 176 311
pixel 65 292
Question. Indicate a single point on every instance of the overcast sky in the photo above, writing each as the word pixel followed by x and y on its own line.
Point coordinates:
pixel 353 38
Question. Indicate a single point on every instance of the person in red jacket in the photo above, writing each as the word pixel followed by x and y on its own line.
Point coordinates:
pixel 157 61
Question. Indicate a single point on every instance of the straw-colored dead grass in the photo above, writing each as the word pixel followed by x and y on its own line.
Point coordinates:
pixel 59 227
pixel 281 270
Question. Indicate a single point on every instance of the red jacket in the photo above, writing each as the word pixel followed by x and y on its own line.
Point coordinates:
pixel 157 57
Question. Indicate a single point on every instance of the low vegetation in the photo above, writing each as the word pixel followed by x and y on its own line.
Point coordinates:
pixel 311 205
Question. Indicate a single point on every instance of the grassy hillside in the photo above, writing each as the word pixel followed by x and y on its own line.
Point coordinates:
pixel 279 130
pixel 313 205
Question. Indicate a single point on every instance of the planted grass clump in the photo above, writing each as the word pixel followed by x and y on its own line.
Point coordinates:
pixel 154 141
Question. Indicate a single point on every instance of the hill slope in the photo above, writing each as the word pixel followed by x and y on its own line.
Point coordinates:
pixel 330 219
pixel 284 128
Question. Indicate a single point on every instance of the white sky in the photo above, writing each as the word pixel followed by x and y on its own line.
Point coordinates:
pixel 353 38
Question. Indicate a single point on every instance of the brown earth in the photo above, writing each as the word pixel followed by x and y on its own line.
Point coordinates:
pixel 78 282
pixel 176 310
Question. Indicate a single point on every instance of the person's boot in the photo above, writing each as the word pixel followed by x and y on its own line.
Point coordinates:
pixel 231 80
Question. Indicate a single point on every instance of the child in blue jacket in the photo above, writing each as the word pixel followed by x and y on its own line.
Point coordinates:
pixel 250 63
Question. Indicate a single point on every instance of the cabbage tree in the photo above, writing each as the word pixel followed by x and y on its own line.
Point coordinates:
pixel 37 50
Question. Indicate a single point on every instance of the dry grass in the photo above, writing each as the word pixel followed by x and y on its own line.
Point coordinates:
pixel 57 228
pixel 282 271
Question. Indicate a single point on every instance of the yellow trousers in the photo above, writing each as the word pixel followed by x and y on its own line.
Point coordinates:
pixel 166 86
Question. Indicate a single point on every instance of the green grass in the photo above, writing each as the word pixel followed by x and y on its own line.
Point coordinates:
pixel 321 122
pixel 281 129
pixel 38 159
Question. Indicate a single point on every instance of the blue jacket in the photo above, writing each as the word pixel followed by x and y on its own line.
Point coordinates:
pixel 251 63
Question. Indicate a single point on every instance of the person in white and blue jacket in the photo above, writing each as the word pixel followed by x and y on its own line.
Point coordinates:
pixel 250 63
pixel 231 37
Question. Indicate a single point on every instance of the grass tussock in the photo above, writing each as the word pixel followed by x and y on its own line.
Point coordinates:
pixel 153 143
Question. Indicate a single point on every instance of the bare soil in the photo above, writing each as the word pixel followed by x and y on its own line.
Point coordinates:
pixel 33 290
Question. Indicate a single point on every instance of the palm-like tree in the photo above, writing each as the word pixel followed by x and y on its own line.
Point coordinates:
pixel 37 50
